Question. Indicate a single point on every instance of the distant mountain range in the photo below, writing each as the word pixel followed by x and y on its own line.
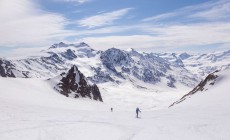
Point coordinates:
pixel 117 66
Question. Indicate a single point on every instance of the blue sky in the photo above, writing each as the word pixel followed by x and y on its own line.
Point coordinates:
pixel 145 25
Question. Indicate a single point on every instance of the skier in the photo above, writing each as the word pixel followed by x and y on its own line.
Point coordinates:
pixel 111 109
pixel 137 111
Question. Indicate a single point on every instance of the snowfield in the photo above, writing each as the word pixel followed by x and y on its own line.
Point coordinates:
pixel 32 110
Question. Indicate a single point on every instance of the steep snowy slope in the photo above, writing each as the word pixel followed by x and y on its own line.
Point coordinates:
pixel 214 88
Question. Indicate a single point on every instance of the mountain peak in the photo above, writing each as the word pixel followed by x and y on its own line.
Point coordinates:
pixel 58 45
pixel 64 45
pixel 83 44
pixel 133 52
pixel 74 84
pixel 184 55
pixel 130 49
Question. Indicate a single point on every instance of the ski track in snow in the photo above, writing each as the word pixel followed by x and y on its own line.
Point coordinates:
pixel 31 110
pixel 120 125
pixel 43 126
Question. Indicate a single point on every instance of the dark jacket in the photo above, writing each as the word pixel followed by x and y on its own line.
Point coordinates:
pixel 137 110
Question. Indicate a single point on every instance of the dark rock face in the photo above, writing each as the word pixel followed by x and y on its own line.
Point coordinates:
pixel 115 56
pixel 178 61
pixel 171 81
pixel 200 87
pixel 112 57
pixel 69 54
pixel 100 76
pixel 184 56
pixel 52 59
pixel 144 69
pixel 76 85
pixel 6 68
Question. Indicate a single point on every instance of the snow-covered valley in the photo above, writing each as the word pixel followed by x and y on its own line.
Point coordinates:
pixel 32 109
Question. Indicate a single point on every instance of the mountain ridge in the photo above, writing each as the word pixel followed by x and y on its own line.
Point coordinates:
pixel 113 65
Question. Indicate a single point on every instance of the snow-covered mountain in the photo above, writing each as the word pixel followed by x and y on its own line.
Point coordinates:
pixel 116 66
pixel 74 84
pixel 52 62
pixel 32 109
pixel 147 68
pixel 215 83
pixel 200 64
pixel 7 69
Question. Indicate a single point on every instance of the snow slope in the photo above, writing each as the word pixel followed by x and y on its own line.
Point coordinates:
pixel 214 96
pixel 31 109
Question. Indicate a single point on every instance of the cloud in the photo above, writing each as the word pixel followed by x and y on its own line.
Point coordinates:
pixel 103 19
pixel 183 28
pixel 76 1
pixel 122 42
pixel 19 53
pixel 159 17
pixel 225 46
pixel 197 25
pixel 168 37
pixel 217 12
pixel 23 23
pixel 212 10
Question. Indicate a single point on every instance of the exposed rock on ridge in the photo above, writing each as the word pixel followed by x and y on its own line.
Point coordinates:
pixel 209 80
pixel 74 84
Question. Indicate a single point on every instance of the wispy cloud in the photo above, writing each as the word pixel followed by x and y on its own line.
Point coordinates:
pixel 178 29
pixel 76 1
pixel 23 23
pixel 166 38
pixel 160 17
pixel 212 10
pixel 218 12
pixel 16 53
pixel 197 25
pixel 122 42
pixel 103 19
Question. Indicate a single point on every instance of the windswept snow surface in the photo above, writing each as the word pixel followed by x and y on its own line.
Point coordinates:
pixel 32 110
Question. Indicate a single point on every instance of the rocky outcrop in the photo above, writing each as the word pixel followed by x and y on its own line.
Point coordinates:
pixel 115 57
pixel 74 84
pixel 7 69
pixel 202 86
pixel 171 81
pixel 69 54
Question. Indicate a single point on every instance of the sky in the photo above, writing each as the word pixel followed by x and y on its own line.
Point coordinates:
pixel 145 25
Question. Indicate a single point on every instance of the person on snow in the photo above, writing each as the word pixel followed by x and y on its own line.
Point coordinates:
pixel 137 111
pixel 111 109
